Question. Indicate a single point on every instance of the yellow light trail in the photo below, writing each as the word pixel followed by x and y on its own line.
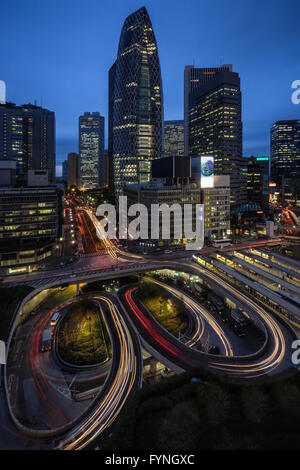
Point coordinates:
pixel 199 313
pixel 106 412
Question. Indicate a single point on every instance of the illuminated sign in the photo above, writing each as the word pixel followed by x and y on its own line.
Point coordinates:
pixel 207 172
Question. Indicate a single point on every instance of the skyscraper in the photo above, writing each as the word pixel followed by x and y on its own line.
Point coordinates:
pixel 174 138
pixel 285 148
pixel 72 169
pixel 258 181
pixel 194 78
pixel 215 125
pixel 111 83
pixel 27 136
pixel 65 171
pixel 285 159
pixel 136 104
pixel 91 150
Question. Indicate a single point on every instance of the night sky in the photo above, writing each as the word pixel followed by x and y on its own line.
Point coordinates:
pixel 58 52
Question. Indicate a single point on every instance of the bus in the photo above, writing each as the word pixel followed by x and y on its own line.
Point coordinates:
pixel 221 243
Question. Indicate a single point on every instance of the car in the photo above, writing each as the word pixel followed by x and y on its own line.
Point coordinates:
pixel 168 251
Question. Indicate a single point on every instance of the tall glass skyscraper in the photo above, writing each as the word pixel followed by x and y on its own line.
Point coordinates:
pixel 136 103
pixel 91 150
pixel 215 125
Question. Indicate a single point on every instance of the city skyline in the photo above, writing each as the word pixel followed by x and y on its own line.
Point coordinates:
pixel 75 90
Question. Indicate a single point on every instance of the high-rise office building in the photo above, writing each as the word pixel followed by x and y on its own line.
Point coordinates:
pixel 111 83
pixel 91 150
pixel 136 103
pixel 285 149
pixel 194 78
pixel 215 125
pixel 27 136
pixel 258 181
pixel 65 171
pixel 173 138
pixel 30 219
pixel 72 169
pixel 285 159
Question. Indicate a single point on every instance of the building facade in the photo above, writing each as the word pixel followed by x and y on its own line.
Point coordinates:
pixel 216 202
pixel 91 150
pixel 65 171
pixel 173 138
pixel 194 78
pixel 258 182
pixel 215 126
pixel 30 223
pixel 285 159
pixel 135 103
pixel 27 136
pixel 72 169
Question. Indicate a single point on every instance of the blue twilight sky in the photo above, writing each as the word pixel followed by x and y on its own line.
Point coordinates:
pixel 58 52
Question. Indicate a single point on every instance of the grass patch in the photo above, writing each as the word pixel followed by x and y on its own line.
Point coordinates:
pixel 10 298
pixel 82 337
pixel 168 311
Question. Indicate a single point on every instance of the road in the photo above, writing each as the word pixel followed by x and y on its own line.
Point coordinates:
pixel 124 376
pixel 125 373
pixel 276 357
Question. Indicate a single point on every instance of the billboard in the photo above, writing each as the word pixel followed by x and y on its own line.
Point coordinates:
pixel 207 172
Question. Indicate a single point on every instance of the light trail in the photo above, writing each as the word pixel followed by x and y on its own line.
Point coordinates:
pixel 199 312
pixel 271 360
pixel 111 248
pixel 104 414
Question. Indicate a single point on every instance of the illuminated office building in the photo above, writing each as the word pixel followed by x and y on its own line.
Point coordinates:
pixel 27 136
pixel 194 78
pixel 135 103
pixel 215 126
pixel 110 166
pixel 173 138
pixel 285 159
pixel 91 150
pixel 30 221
